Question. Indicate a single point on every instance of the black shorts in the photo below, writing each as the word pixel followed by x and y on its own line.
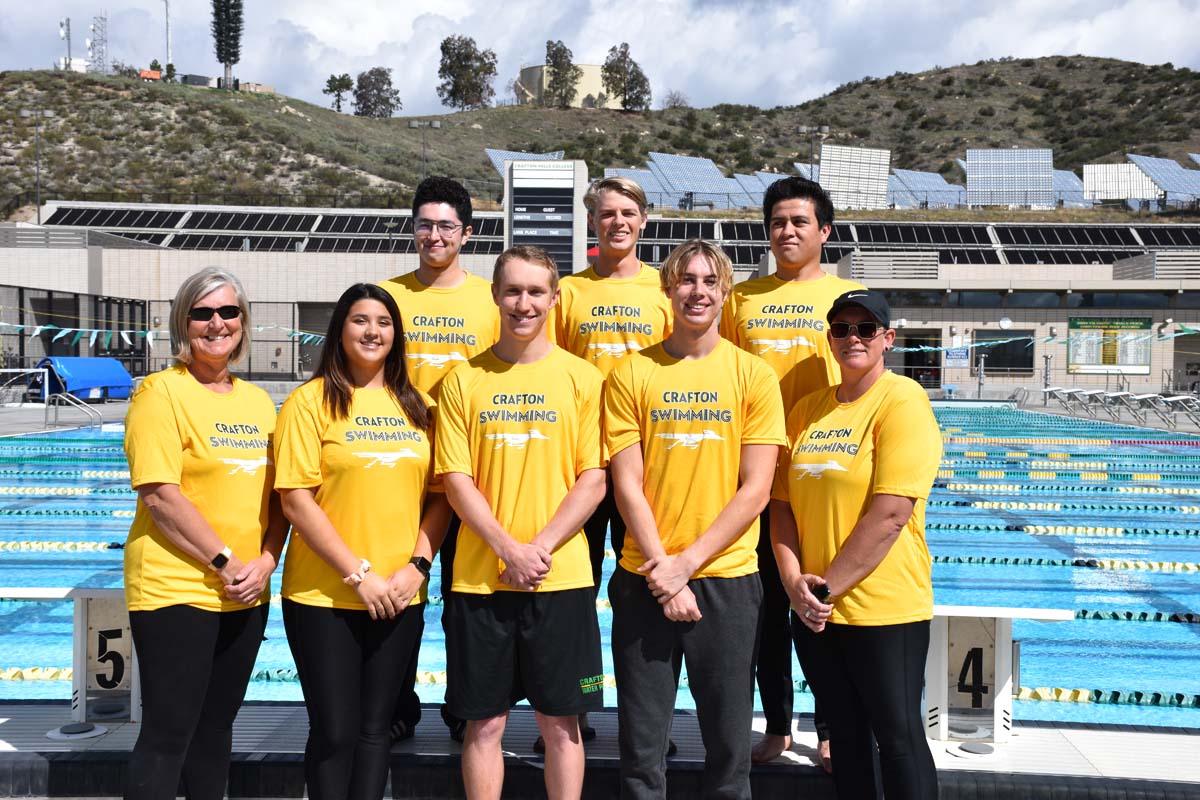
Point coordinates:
pixel 505 647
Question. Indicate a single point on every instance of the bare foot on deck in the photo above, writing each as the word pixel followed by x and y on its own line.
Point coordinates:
pixel 769 748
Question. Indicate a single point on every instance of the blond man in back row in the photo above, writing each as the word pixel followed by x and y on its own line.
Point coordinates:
pixel 613 308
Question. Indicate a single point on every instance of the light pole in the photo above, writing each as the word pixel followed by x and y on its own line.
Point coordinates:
pixel 424 124
pixel 390 225
pixel 813 132
pixel 37 114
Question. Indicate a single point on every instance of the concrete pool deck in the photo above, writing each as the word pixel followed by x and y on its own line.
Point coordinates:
pixel 1042 760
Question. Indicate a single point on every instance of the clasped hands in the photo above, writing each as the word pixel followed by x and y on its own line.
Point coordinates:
pixel 525 565
pixel 668 576
pixel 386 598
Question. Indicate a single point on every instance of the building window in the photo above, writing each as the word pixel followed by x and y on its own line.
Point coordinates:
pixel 1012 358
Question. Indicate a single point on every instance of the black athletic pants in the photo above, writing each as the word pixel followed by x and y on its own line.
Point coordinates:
pixel 868 680
pixel 194 667
pixel 648 651
pixel 351 671
pixel 606 517
pixel 773 667
pixel 408 707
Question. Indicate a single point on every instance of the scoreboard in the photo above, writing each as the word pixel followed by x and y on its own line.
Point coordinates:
pixel 544 201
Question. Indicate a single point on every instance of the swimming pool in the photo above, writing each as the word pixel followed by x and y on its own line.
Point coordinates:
pixel 1029 510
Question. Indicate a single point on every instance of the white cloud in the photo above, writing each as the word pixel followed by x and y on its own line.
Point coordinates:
pixel 765 52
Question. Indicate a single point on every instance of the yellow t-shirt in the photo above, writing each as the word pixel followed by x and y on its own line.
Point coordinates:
pixel 602 319
pixel 842 455
pixel 443 327
pixel 524 433
pixel 370 470
pixel 217 449
pixel 691 418
pixel 783 322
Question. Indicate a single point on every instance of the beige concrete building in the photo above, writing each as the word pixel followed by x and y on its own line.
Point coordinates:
pixel 531 85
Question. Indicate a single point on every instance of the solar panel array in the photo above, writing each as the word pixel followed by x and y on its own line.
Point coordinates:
pixel 899 196
pixel 930 190
pixel 855 177
pixel 810 172
pixel 1117 182
pixel 753 187
pixel 1010 177
pixel 767 178
pixel 498 157
pixel 1068 190
pixel 339 230
pixel 701 179
pixel 1180 185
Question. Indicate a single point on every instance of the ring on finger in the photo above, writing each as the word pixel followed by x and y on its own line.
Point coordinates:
pixel 808 614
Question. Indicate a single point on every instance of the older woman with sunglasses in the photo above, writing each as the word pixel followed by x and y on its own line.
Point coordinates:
pixel 205 538
pixel 848 529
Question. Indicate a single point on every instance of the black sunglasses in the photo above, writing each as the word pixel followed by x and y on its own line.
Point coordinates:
pixel 863 330
pixel 205 313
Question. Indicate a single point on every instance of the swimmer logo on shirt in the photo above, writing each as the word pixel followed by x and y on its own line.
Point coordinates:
pixel 780 345
pixel 517 441
pixel 614 349
pixel 249 466
pixel 689 440
pixel 436 360
pixel 386 459
pixel 817 470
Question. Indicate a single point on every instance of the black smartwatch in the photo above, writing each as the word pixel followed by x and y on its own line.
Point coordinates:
pixel 422 564
pixel 221 559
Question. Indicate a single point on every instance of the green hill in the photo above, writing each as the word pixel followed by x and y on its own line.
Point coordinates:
pixel 159 142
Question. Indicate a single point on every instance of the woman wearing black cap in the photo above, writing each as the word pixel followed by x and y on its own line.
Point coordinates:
pixel 848 528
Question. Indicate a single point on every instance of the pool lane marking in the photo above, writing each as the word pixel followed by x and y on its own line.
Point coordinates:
pixel 1089 563
pixel 1022 488
pixel 438 677
pixel 1085 476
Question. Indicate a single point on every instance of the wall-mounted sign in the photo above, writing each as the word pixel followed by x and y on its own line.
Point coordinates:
pixel 1099 345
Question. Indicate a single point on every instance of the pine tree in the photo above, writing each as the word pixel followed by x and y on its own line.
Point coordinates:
pixel 338 85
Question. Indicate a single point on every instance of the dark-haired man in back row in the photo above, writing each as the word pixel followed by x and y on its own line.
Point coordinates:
pixel 448 316
pixel 781 318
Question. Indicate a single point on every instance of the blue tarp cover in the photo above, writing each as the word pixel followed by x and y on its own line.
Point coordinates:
pixel 88 378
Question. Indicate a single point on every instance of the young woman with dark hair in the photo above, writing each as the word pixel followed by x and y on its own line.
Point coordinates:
pixel 353 454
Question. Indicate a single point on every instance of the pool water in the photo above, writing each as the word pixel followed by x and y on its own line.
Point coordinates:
pixel 1029 510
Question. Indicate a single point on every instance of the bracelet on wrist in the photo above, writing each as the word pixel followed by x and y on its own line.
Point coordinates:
pixel 358 576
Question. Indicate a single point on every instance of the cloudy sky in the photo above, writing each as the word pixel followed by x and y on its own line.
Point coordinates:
pixel 764 52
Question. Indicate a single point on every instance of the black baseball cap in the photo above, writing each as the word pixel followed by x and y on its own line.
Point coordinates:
pixel 874 302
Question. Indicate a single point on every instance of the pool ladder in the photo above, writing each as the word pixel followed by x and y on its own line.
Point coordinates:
pixel 60 399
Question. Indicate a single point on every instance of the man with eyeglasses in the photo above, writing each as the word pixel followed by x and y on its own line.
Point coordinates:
pixel 448 317
pixel 781 318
